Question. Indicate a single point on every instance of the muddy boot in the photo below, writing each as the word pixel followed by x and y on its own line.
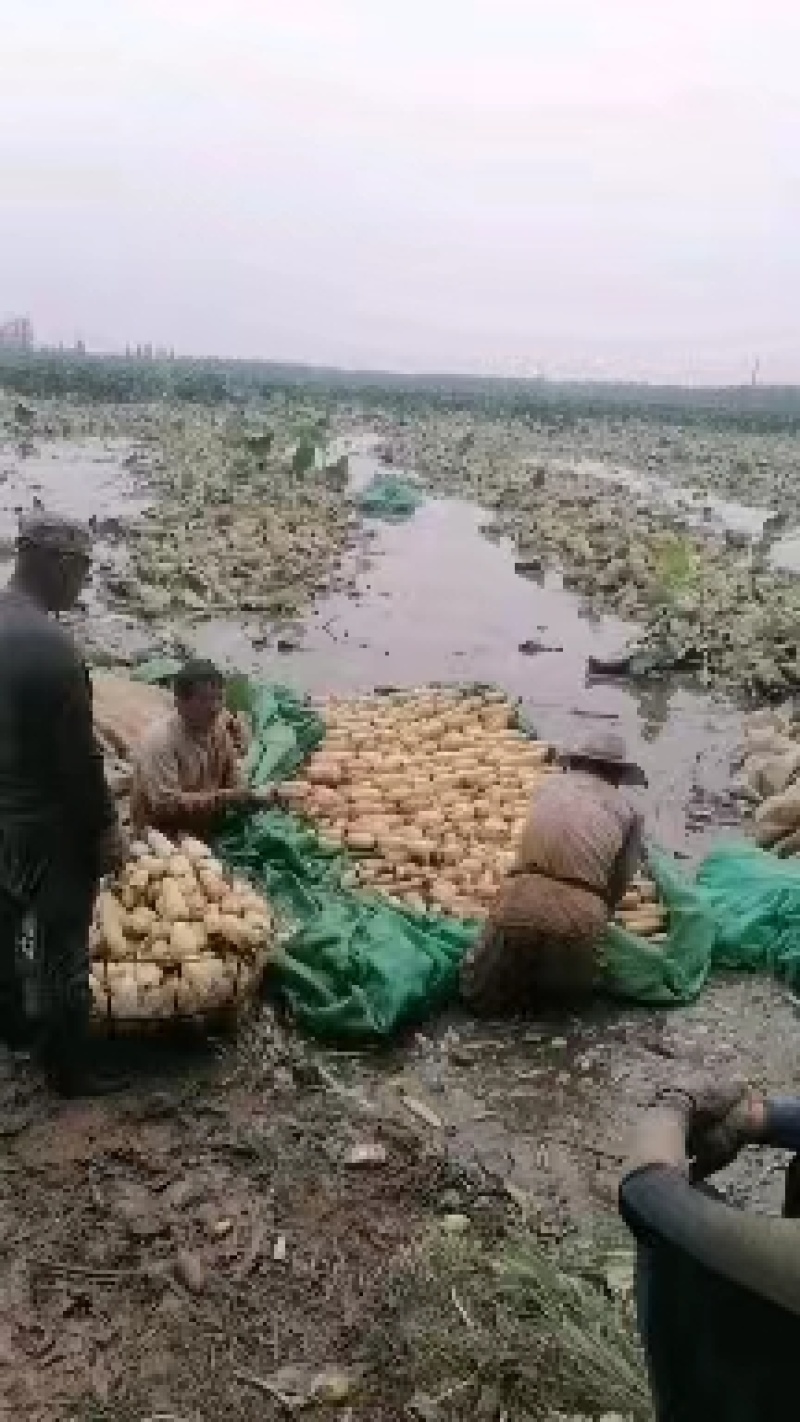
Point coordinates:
pixel 68 1067
pixel 16 1028
pixel 791 1193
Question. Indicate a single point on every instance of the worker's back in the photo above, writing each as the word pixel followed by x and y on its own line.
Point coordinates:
pixel 39 671
pixel 575 830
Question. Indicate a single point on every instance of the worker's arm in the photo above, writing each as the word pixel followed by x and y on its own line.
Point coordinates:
pixel 627 861
pixel 231 776
pixel 774 1121
pixel 238 729
pixel 760 1254
pixel 752 1119
pixel 661 1205
pixel 234 784
pixel 165 804
pixel 74 760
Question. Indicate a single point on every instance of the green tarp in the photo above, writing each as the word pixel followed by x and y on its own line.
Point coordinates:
pixel 669 973
pixel 355 967
pixel 285 731
pixel 388 496
pixel 755 899
pixel 352 967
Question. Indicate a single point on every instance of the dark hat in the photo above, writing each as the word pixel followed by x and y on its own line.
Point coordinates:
pixel 56 533
pixel 606 752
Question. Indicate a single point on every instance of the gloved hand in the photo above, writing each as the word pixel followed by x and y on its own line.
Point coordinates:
pixel 723 1119
pixel 698 1130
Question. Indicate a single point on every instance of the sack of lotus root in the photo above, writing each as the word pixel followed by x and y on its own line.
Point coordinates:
pixel 175 936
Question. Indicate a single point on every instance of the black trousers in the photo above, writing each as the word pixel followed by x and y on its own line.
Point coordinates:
pixel 716 1351
pixel 61 901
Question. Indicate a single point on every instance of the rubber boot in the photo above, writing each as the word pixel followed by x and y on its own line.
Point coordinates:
pixel 66 1056
pixel 16 1028
pixel 791 1196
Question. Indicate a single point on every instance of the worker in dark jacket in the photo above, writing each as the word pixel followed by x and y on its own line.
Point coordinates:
pixel 58 825
pixel 718 1290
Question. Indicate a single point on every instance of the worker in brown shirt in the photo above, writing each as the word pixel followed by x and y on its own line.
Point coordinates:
pixel 187 768
pixel 578 853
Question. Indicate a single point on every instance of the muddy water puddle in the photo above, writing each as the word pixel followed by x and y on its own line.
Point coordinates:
pixel 544 1108
pixel 698 509
pixel 86 479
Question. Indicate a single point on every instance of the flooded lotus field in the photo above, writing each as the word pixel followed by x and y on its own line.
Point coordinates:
pixel 521 1123
pixel 435 601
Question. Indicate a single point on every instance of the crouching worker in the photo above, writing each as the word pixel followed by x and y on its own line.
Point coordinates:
pixel 187 769
pixel 717 1289
pixel 579 851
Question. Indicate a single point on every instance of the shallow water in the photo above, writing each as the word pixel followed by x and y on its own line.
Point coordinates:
pixel 79 477
pixel 83 478
pixel 785 553
pixel 437 601
pixel 697 508
pixel 700 509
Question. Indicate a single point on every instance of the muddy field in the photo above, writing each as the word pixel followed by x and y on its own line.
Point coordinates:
pixel 263 1223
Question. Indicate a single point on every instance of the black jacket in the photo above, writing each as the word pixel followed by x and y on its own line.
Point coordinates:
pixel 718 1295
pixel 53 789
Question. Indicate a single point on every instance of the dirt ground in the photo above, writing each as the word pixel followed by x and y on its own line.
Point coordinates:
pixel 162 1247
pixel 171 1252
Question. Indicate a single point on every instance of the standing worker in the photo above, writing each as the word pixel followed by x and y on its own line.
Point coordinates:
pixel 59 831
pixel 579 851
pixel 187 768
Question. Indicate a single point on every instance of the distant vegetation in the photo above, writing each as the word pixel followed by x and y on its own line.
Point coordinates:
pixel 117 378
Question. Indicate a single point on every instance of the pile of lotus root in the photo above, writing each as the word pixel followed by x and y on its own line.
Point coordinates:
pixel 176 936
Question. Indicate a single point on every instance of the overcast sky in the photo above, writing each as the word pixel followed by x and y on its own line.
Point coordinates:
pixel 585 187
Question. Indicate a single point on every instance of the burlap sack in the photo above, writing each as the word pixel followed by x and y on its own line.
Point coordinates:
pixel 770 775
pixel 767 742
pixel 769 833
pixel 124 710
pixel 781 809
pixel 539 943
pixel 789 845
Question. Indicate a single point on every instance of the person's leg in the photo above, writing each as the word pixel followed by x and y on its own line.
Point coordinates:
pixel 791 1189
pixel 64 914
pixel 14 1027
pixel 63 953
pixel 489 978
